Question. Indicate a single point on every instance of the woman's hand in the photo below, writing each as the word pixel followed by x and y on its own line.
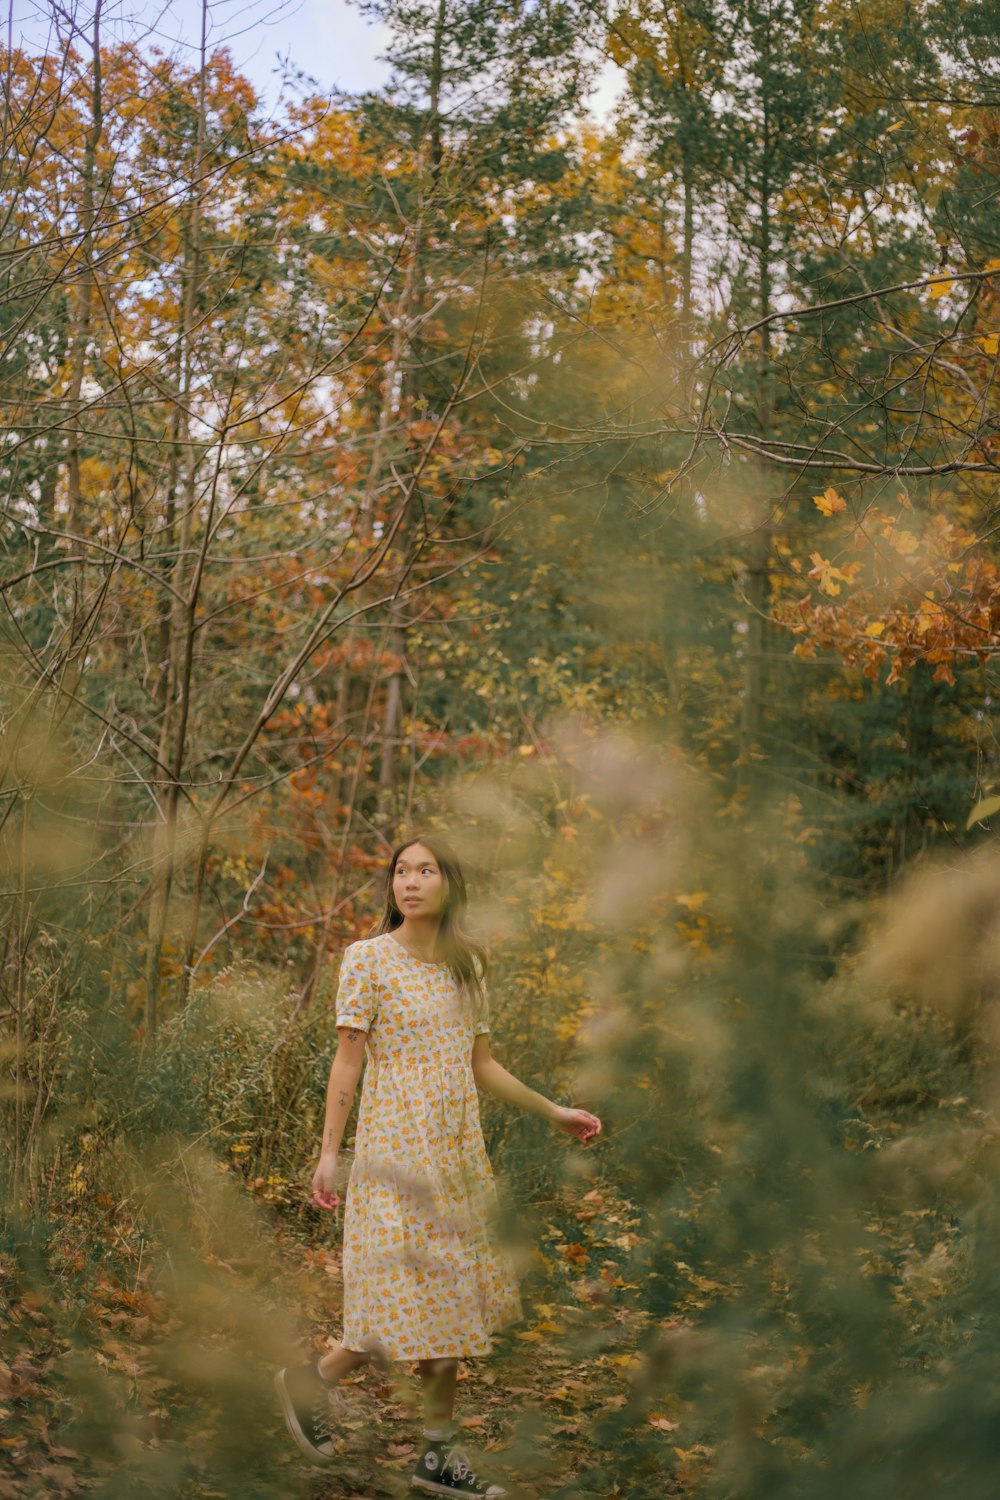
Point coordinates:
pixel 324 1181
pixel 578 1122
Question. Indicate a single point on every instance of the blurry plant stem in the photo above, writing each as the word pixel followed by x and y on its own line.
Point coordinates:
pixel 20 955
pixel 36 1011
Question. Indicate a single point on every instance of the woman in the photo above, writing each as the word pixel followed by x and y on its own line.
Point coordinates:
pixel 424 1278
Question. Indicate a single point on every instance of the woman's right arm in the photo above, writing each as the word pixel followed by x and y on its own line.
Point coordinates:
pixel 344 1074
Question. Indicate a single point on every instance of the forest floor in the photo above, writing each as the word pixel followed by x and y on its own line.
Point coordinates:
pixel 111 1386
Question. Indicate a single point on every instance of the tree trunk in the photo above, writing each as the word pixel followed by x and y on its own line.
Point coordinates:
pixel 687 272
pixel 413 298
pixel 85 285
pixel 759 548
pixel 179 634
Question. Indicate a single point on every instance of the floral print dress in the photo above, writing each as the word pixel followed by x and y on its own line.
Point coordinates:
pixel 424 1276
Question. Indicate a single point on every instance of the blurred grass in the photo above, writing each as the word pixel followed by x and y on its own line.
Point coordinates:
pixel 782 1249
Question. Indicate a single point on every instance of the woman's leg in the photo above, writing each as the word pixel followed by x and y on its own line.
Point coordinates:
pixel 340 1362
pixel 439 1377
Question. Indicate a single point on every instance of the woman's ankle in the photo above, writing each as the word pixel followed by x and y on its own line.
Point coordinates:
pixel 439 1432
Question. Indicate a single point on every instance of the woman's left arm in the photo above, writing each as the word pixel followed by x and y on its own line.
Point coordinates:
pixel 495 1079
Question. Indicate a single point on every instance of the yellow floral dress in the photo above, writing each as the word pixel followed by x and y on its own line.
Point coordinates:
pixel 424 1276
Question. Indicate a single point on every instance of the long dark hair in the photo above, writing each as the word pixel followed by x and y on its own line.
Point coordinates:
pixel 463 955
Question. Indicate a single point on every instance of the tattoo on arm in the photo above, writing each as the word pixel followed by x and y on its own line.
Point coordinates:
pixel 352 1035
pixel 330 1136
pixel 343 1096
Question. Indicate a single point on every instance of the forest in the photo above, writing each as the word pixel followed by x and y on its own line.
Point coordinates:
pixel 618 498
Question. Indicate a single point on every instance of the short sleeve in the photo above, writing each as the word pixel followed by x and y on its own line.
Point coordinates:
pixel 481 1024
pixel 357 1000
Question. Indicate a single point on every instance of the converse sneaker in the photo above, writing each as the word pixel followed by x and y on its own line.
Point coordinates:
pixel 444 1469
pixel 308 1403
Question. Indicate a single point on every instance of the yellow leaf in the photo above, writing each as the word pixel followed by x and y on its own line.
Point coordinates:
pixel 988 808
pixel 694 901
pixel 992 265
pixel 905 543
pixel 827 575
pixel 898 126
pixel 941 286
pixel 990 344
pixel 830 503
pixel 875 628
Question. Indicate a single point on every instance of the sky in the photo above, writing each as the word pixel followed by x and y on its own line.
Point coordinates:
pixel 330 40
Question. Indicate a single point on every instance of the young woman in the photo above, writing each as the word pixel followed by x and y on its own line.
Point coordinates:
pixel 424 1277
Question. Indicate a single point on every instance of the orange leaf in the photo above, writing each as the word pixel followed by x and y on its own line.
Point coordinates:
pixel 830 503
pixel 905 543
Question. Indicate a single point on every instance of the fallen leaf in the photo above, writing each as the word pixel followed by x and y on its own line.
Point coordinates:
pixel 61 1477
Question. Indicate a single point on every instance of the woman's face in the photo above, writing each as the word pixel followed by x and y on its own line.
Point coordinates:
pixel 418 886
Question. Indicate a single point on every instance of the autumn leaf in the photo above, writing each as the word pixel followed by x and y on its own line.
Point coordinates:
pixel 987 808
pixel 829 503
pixel 990 343
pixel 941 286
pixel 827 576
pixel 904 542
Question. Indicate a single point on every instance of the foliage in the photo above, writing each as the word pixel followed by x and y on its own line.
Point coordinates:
pixel 618 498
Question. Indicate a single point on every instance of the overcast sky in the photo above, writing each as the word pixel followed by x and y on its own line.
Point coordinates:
pixel 329 40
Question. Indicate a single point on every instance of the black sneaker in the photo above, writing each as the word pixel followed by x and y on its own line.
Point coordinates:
pixel 307 1403
pixel 444 1469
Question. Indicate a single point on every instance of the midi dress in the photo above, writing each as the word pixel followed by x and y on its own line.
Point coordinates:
pixel 425 1275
